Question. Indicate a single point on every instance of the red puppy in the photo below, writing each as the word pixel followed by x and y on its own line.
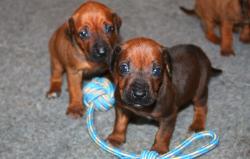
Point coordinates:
pixel 80 48
pixel 228 13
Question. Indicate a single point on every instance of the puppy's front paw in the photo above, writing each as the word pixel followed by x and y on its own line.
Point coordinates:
pixel 161 149
pixel 196 127
pixel 54 91
pixel 53 95
pixel 227 52
pixel 75 111
pixel 116 139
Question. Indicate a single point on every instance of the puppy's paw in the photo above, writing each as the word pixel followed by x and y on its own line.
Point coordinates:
pixel 196 127
pixel 116 139
pixel 214 39
pixel 54 91
pixel 227 52
pixel 53 95
pixel 245 39
pixel 161 149
pixel 75 111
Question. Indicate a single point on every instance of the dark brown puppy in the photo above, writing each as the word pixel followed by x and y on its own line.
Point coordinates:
pixel 155 82
pixel 81 47
pixel 229 14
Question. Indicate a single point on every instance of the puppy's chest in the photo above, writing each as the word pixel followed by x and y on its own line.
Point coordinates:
pixel 93 70
pixel 148 114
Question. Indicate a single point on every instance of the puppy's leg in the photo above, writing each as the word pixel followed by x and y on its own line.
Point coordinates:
pixel 75 108
pixel 200 113
pixel 164 134
pixel 245 34
pixel 209 29
pixel 227 38
pixel 118 136
pixel 57 71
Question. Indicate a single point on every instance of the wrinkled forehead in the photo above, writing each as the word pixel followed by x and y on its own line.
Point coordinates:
pixel 93 17
pixel 142 55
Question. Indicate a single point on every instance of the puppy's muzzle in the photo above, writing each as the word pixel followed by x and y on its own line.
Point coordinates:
pixel 100 51
pixel 138 95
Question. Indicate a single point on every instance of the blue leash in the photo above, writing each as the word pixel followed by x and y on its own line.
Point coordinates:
pixel 99 95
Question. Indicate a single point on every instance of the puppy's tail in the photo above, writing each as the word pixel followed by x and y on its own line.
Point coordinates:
pixel 216 72
pixel 188 11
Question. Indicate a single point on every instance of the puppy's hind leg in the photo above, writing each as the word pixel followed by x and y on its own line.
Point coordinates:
pixel 227 38
pixel 245 34
pixel 57 71
pixel 200 113
pixel 209 26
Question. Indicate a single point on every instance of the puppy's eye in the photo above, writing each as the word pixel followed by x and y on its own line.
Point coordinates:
pixel 156 71
pixel 108 28
pixel 84 34
pixel 124 68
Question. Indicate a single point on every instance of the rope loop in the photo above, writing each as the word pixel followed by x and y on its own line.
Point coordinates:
pixel 99 95
pixel 149 155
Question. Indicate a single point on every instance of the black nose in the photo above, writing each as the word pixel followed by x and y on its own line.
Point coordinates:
pixel 102 51
pixel 139 93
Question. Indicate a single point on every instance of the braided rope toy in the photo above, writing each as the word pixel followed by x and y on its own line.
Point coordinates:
pixel 99 95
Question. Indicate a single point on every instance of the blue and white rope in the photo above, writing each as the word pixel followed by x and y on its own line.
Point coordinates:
pixel 99 95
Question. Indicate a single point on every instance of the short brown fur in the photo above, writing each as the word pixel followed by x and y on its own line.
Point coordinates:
pixel 165 93
pixel 81 57
pixel 227 13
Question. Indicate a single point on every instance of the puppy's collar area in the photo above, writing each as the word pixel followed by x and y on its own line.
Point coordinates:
pixel 138 106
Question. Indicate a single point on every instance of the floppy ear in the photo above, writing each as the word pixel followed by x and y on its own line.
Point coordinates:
pixel 117 21
pixel 114 57
pixel 70 31
pixel 167 60
pixel 72 28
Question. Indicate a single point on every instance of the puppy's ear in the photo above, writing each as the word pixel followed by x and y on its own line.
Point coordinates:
pixel 70 31
pixel 117 21
pixel 114 56
pixel 72 28
pixel 168 61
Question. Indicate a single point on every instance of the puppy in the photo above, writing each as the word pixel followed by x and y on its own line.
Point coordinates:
pixel 155 83
pixel 81 47
pixel 229 13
